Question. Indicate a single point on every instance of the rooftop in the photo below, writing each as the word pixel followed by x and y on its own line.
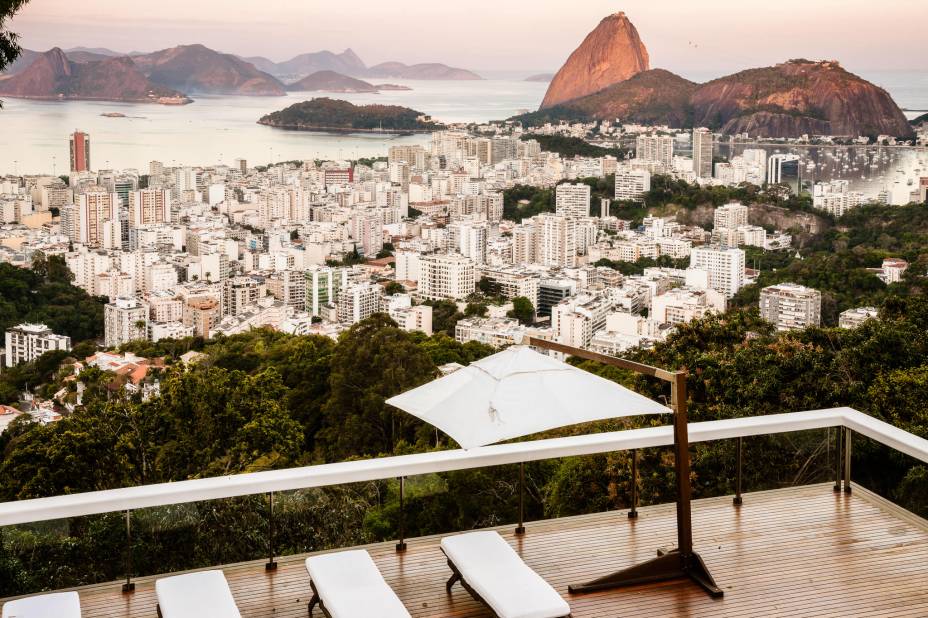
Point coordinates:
pixel 803 551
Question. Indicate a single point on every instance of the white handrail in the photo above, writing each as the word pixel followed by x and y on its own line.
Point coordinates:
pixel 162 494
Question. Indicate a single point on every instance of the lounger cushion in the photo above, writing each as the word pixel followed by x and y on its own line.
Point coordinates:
pixel 350 586
pixel 496 572
pixel 196 595
pixel 57 605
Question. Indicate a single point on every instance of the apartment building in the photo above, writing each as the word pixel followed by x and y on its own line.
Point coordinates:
pixel 359 301
pixel 853 318
pixel 27 342
pixel 555 240
pixel 632 184
pixel 572 200
pixel 791 306
pixel 124 320
pixel 724 266
pixel 446 275
pixel 730 216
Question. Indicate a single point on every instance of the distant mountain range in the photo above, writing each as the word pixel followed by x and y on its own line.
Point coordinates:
pixel 197 69
pixel 53 75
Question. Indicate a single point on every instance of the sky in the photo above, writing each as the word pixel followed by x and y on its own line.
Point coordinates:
pixel 686 36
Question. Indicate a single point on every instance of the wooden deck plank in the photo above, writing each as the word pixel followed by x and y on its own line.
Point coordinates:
pixel 794 552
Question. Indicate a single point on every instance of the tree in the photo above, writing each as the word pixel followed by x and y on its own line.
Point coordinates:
pixel 374 360
pixel 478 309
pixel 522 310
pixel 445 316
pixel 392 288
pixel 9 41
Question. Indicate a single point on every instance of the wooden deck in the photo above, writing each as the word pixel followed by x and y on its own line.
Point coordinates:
pixel 794 552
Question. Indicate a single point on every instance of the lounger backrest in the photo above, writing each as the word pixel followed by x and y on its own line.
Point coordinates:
pixel 495 572
pixel 196 595
pixel 350 586
pixel 55 605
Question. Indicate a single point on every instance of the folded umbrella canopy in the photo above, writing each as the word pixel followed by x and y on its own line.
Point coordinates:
pixel 515 393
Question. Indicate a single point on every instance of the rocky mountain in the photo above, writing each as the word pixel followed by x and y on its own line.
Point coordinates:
pixel 425 71
pixel 346 63
pixel 196 69
pixel 652 97
pixel 53 76
pixel 330 81
pixel 611 53
pixel 797 97
pixel 787 100
pixel 26 57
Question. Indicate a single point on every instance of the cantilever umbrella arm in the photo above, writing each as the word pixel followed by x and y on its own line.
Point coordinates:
pixel 682 562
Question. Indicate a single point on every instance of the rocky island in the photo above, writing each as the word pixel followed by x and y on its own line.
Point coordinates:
pixel 335 116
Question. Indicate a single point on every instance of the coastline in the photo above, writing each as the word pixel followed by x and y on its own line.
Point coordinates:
pixel 168 101
pixel 344 130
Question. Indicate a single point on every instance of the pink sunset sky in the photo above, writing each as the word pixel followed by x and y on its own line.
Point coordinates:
pixel 681 35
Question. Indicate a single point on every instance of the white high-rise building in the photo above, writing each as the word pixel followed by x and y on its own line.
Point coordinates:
pixel 835 197
pixel 523 244
pixel 780 166
pixel 95 208
pixel 632 184
pixel 125 320
pixel 790 306
pixel 731 216
pixel 149 206
pixel 27 342
pixel 703 142
pixel 724 266
pixel 575 320
pixel 555 240
pixel 358 302
pixel 446 275
pixel 655 148
pixel 572 200
pixel 472 241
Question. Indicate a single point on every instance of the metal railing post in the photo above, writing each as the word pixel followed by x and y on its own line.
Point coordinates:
pixel 633 513
pixel 129 586
pixel 520 529
pixel 839 453
pixel 847 460
pixel 401 546
pixel 738 456
pixel 271 565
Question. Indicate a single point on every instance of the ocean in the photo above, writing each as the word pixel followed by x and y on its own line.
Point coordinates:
pixel 219 129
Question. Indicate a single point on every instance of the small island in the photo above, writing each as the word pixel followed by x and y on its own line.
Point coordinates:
pixel 335 116
pixel 330 81
pixel 392 87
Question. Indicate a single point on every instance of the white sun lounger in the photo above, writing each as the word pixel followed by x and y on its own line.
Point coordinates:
pixel 494 573
pixel 56 605
pixel 349 585
pixel 196 595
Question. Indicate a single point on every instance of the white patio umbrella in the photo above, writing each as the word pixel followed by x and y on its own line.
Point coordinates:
pixel 515 393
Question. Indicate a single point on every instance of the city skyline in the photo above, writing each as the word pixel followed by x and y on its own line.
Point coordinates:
pixel 710 36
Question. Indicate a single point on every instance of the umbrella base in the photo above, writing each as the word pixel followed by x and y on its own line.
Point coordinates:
pixel 668 565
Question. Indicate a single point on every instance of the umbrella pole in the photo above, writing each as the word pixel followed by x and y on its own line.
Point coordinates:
pixel 682 562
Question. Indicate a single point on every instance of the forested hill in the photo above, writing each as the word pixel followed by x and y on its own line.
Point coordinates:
pixel 324 114
pixel 45 294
